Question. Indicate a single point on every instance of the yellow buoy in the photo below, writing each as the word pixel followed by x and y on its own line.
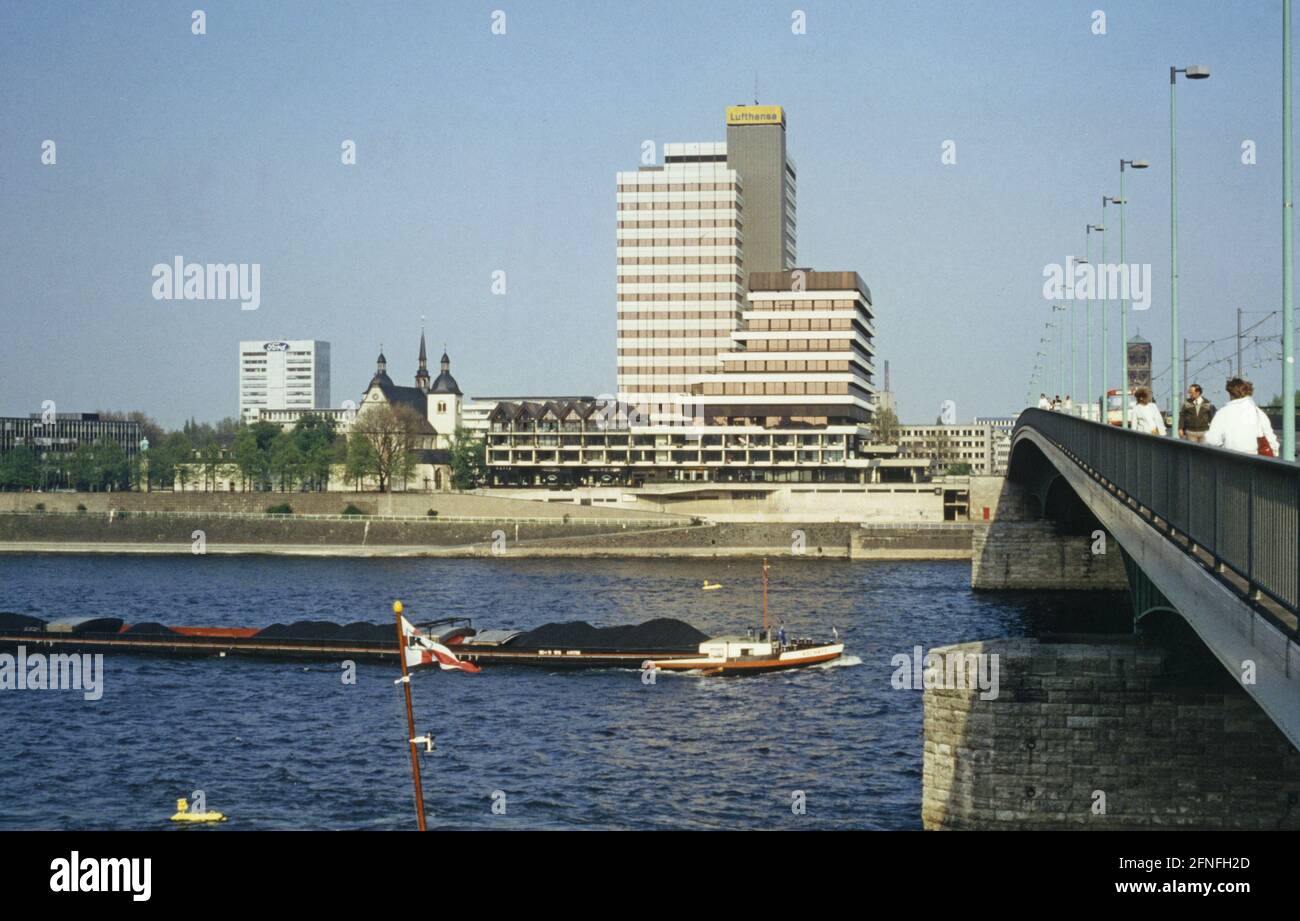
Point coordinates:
pixel 183 814
pixel 710 586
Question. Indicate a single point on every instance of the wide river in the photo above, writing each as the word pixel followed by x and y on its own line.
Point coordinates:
pixel 286 746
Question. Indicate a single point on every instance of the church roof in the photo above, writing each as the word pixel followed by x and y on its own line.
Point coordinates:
pixel 412 398
pixel 445 383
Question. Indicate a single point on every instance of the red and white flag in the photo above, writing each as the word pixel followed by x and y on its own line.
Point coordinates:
pixel 420 650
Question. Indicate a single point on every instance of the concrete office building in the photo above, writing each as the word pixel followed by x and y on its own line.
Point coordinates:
pixel 1003 428
pixel 756 152
pixel 804 355
pixel 791 403
pixel 680 286
pixel 53 438
pixel 689 232
pixel 733 366
pixel 283 374
pixel 947 446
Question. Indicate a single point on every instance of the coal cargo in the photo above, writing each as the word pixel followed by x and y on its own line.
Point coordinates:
pixel 149 628
pixel 300 630
pixel 362 632
pixel 663 633
pixel 20 623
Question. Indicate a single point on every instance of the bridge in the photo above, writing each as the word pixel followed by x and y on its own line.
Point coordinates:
pixel 1206 535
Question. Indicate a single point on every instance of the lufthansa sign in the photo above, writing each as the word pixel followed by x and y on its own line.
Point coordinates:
pixel 755 115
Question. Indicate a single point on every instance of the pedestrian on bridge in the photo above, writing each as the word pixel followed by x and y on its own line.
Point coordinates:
pixel 1146 415
pixel 1196 415
pixel 1044 402
pixel 1242 425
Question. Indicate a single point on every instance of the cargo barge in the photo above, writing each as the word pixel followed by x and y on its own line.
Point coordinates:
pixel 566 645
pixel 667 643
pixel 453 642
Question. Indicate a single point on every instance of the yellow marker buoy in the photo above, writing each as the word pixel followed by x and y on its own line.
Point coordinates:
pixel 183 814
pixel 710 586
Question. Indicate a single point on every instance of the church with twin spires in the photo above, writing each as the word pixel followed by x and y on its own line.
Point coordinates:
pixel 437 402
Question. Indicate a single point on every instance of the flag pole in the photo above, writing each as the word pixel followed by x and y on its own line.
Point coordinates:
pixel 410 718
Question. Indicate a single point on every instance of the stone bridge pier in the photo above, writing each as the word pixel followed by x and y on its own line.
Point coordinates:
pixel 1115 732
pixel 1144 729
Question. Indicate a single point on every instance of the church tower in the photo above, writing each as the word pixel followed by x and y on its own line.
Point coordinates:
pixel 444 404
pixel 422 375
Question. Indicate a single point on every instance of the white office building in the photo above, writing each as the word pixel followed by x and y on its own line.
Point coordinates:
pixel 288 374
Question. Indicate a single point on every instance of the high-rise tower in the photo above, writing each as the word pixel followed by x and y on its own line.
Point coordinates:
pixel 756 151
pixel 684 253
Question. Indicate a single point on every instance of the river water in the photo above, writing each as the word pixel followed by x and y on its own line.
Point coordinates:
pixel 286 746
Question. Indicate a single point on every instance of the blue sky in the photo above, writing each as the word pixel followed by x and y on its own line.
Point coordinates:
pixel 478 152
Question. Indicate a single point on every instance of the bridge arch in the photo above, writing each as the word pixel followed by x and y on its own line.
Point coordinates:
pixel 1210 535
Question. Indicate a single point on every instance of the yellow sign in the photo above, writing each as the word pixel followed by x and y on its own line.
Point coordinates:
pixel 755 115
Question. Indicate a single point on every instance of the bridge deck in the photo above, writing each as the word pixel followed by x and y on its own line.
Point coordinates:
pixel 1218 533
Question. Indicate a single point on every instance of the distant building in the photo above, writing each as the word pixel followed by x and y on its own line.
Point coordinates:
pixel 755 149
pixel 683 262
pixel 1139 363
pixel 289 418
pixel 63 433
pixel 435 403
pixel 947 446
pixel 283 374
pixel 1003 427
pixel 474 411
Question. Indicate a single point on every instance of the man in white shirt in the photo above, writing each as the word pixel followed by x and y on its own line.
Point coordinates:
pixel 1241 424
pixel 1044 402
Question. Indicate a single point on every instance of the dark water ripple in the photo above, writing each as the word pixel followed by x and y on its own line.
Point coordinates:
pixel 280 745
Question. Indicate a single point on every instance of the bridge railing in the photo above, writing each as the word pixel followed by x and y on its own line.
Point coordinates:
pixel 1242 509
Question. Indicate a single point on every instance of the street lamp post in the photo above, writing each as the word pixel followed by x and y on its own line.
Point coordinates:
pixel 1060 351
pixel 1074 382
pixel 1100 228
pixel 1047 356
pixel 1288 297
pixel 1194 72
pixel 1123 294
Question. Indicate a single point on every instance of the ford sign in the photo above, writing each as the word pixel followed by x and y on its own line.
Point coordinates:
pixel 276 346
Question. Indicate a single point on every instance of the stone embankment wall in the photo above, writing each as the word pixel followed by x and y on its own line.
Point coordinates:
pixel 139 528
pixel 322 503
pixel 1103 735
pixel 127 532
pixel 1038 555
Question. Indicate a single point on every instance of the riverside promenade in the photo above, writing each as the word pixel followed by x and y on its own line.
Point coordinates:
pixel 455 525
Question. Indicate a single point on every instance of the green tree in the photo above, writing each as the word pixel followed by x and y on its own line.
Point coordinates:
pixel 173 465
pixel 210 461
pixel 82 470
pixel 884 425
pixel 20 469
pixel 250 461
pixel 112 469
pixel 468 460
pixel 394 434
pixel 285 460
pixel 315 435
pixel 360 459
